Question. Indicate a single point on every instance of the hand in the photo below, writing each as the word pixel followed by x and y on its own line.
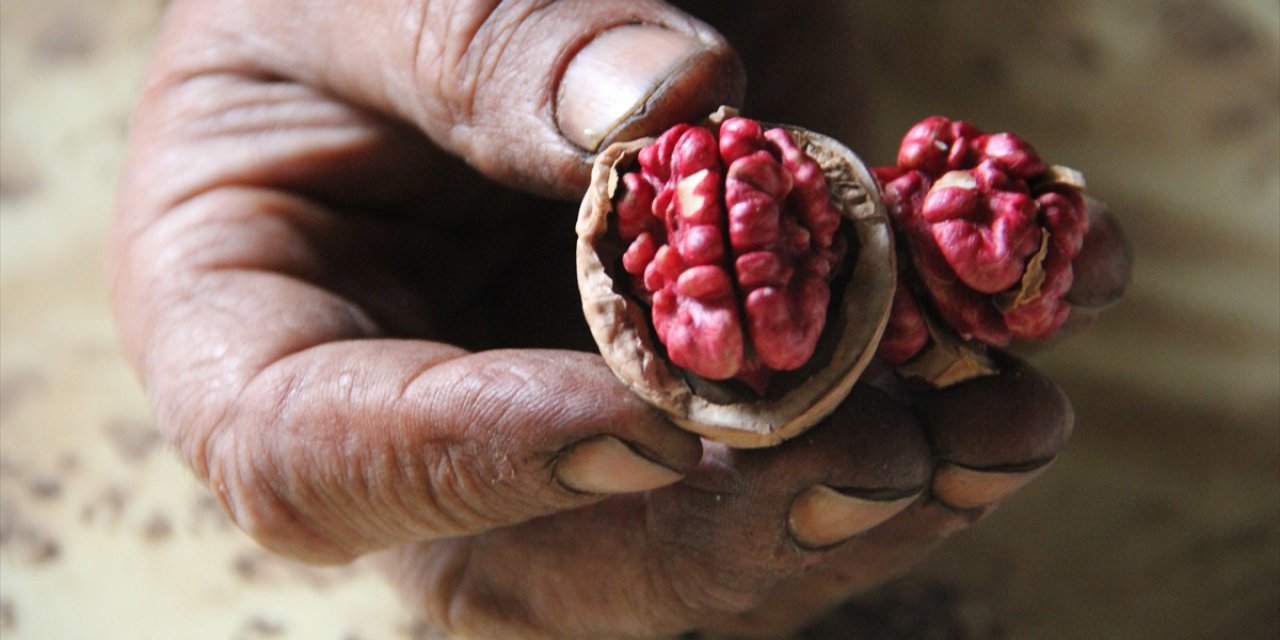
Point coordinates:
pixel 363 343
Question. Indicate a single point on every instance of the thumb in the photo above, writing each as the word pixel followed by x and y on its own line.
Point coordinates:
pixel 523 90
pixel 541 89
pixel 544 88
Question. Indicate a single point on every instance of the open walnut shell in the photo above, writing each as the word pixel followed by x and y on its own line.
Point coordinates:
pixel 727 411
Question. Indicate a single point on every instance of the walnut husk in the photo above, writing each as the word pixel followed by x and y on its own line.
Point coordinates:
pixel 721 412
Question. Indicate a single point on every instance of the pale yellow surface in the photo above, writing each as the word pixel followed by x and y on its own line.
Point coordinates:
pixel 1161 519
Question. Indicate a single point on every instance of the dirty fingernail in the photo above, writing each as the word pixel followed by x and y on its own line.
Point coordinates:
pixel 822 516
pixel 606 464
pixel 613 76
pixel 961 487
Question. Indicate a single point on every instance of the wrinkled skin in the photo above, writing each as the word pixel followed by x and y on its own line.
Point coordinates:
pixel 363 345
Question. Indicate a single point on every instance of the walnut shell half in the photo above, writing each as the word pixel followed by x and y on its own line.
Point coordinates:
pixel 724 411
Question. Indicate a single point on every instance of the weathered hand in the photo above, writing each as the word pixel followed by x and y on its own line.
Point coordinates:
pixel 361 343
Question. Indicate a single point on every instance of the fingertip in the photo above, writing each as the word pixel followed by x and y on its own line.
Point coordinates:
pixel 1016 420
pixel 1104 266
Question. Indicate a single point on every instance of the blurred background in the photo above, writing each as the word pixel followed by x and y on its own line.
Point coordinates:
pixel 1160 520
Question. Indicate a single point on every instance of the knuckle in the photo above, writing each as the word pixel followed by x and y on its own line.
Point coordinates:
pixel 459 50
pixel 258 504
pixel 239 444
pixel 458 485
pixel 461 494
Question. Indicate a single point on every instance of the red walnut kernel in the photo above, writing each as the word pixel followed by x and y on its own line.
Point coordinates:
pixel 707 262
pixel 781 231
pixel 906 334
pixel 991 231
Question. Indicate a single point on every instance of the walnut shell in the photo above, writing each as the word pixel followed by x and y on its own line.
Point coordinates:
pixel 724 411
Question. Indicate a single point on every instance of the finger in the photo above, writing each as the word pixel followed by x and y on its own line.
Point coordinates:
pixel 347 448
pixel 677 558
pixel 352 447
pixel 1101 273
pixel 1104 265
pixel 989 437
pixel 757 514
pixel 864 464
pixel 992 435
pixel 523 90
pixel 325 440
pixel 874 464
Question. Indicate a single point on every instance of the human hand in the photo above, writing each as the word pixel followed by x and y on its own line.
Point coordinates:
pixel 361 343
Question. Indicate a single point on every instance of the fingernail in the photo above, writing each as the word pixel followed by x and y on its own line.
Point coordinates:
pixel 606 464
pixel 822 516
pixel 613 76
pixel 964 488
